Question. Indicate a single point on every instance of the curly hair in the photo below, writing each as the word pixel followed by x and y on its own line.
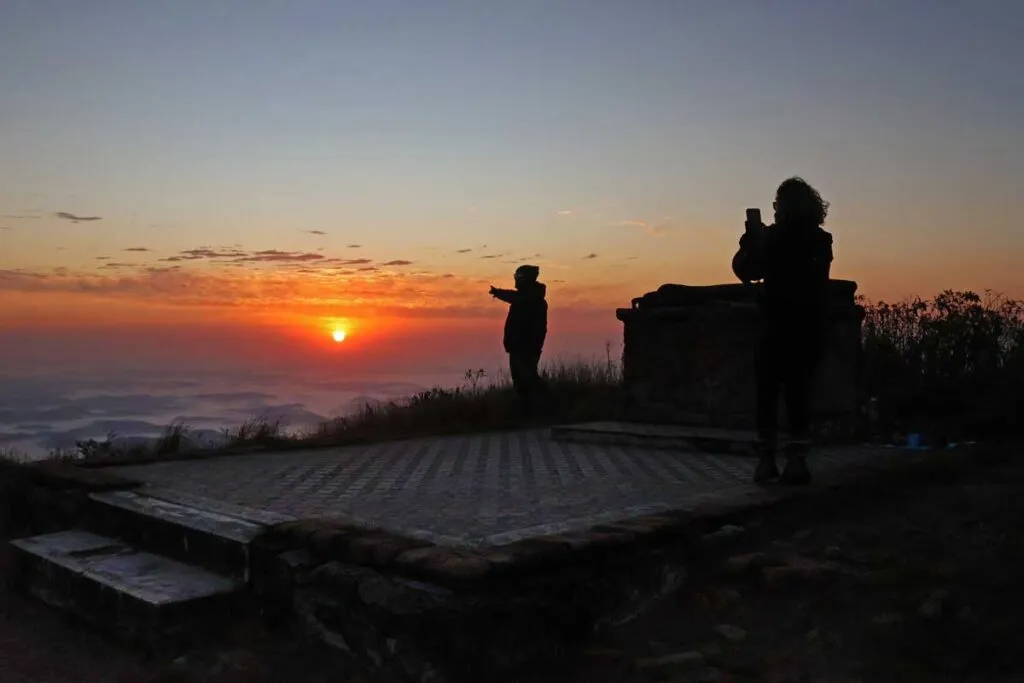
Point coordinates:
pixel 803 200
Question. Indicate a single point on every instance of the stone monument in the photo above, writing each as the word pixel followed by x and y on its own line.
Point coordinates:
pixel 688 356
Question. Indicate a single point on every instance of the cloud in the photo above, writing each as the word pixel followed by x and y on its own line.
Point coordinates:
pixel 488 256
pixel 19 217
pixel 354 246
pixel 49 407
pixel 206 253
pixel 565 212
pixel 42 413
pixel 347 261
pixel 75 218
pixel 315 232
pixel 277 256
pixel 238 256
pixel 463 251
pixel 139 249
pixel 590 256
pixel 213 278
pixel 117 264
pixel 103 258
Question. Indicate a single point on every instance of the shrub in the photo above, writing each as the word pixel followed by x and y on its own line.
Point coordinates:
pixel 952 366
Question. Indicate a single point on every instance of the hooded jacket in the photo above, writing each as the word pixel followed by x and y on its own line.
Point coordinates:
pixel 526 325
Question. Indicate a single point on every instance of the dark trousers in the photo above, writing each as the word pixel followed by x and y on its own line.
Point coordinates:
pixel 524 366
pixel 787 357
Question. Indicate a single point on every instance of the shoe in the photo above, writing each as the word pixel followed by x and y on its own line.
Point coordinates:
pixel 796 472
pixel 766 470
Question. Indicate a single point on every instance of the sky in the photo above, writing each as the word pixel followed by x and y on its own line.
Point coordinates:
pixel 206 185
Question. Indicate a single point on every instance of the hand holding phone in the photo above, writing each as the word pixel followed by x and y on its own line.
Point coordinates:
pixel 753 223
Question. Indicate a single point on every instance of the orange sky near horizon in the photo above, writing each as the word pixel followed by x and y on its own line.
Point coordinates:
pixel 305 295
pixel 218 307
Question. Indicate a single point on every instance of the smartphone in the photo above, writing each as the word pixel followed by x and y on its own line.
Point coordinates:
pixel 753 217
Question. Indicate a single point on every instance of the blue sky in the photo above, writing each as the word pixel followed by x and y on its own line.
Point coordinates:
pixel 417 128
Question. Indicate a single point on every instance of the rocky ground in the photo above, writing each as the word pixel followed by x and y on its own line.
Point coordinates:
pixel 924 584
pixel 919 583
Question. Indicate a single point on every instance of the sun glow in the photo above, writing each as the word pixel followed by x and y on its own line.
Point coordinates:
pixel 338 335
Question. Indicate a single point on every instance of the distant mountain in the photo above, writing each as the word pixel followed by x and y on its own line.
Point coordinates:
pixel 194 439
pixel 362 403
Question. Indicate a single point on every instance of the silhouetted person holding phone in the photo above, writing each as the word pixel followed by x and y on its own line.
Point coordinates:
pixel 793 257
pixel 526 327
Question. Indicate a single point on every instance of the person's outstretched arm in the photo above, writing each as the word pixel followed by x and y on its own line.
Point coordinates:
pixel 748 263
pixel 506 295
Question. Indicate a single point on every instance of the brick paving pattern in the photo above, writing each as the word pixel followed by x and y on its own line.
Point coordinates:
pixel 465 490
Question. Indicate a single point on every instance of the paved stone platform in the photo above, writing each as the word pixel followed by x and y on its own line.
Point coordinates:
pixel 467 491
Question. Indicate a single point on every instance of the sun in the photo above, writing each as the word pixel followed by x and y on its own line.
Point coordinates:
pixel 338 335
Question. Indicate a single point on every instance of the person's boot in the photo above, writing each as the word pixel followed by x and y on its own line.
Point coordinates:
pixel 796 472
pixel 766 470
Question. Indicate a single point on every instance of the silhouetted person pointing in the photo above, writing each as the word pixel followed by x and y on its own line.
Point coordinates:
pixel 793 257
pixel 526 327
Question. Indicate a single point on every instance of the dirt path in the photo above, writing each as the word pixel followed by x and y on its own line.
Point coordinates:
pixel 927 586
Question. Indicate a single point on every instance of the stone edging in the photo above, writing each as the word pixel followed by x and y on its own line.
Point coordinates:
pixel 66 476
pixel 284 446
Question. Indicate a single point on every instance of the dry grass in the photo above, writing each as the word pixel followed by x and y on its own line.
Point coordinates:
pixel 582 390
pixel 578 390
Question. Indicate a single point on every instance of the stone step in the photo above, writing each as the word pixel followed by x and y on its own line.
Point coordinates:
pixel 142 598
pixel 663 436
pixel 212 540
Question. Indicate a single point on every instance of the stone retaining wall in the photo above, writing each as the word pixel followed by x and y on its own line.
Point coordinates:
pixel 469 630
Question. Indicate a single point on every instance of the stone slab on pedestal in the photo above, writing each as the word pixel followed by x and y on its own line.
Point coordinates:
pixel 688 356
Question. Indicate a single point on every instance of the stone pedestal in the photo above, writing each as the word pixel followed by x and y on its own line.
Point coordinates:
pixel 688 356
